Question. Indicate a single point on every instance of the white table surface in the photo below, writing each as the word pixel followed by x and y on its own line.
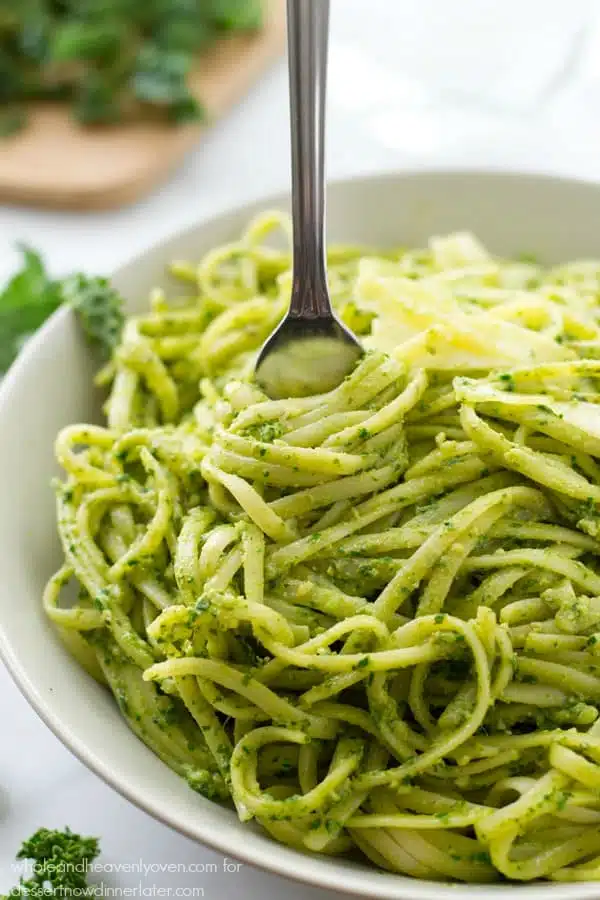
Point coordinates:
pixel 412 83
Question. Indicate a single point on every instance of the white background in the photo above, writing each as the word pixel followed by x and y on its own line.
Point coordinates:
pixel 412 83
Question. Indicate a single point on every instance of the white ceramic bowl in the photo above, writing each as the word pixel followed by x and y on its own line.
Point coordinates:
pixel 51 386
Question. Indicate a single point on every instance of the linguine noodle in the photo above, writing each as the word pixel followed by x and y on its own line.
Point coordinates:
pixel 369 619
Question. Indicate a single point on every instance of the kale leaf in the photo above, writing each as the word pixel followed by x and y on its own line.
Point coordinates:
pixel 111 60
pixel 31 296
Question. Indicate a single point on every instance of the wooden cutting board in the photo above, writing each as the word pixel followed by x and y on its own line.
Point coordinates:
pixel 55 163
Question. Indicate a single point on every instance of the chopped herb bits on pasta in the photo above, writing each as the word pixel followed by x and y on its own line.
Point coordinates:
pixel 369 620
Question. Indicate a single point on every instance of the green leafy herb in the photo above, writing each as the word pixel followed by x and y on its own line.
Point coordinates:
pixel 25 304
pixel 31 296
pixel 100 310
pixel 112 61
pixel 60 861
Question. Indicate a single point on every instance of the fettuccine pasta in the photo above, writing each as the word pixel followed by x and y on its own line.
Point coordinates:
pixel 370 619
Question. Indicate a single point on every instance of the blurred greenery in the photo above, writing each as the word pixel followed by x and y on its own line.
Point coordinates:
pixel 110 59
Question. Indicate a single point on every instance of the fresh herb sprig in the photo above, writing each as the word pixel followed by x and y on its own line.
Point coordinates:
pixel 111 60
pixel 31 296
pixel 60 863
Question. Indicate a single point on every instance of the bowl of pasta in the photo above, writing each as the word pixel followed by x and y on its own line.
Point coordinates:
pixel 354 638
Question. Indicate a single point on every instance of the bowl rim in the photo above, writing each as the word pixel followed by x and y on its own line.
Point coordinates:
pixel 309 870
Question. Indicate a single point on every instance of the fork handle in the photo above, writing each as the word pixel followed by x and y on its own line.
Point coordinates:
pixel 308 38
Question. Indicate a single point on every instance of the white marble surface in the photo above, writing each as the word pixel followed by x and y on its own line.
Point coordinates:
pixel 413 83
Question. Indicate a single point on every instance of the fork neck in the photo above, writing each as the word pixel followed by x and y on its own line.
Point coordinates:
pixel 308 34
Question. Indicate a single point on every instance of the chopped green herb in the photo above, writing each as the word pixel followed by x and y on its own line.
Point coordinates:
pixel 61 861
